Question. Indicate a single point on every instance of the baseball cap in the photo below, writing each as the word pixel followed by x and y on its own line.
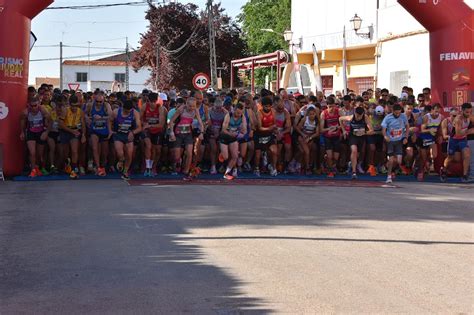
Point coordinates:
pixel 172 94
pixel 379 110
pixel 163 96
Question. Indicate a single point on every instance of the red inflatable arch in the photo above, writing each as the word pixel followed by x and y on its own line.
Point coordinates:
pixel 15 25
pixel 450 24
pixel 451 27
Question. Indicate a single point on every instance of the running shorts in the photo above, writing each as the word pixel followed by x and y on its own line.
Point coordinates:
pixel 395 148
pixel 456 145
pixel 35 136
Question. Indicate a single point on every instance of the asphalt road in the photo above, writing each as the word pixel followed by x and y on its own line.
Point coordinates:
pixel 104 247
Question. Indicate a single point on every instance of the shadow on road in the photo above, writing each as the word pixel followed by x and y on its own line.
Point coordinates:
pixel 82 247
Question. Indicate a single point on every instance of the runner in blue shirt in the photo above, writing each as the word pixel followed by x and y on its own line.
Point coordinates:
pixel 395 130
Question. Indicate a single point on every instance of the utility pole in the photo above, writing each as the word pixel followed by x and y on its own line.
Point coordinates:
pixel 61 66
pixel 89 66
pixel 127 65
pixel 212 45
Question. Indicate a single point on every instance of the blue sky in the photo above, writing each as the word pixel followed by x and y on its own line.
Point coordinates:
pixel 105 28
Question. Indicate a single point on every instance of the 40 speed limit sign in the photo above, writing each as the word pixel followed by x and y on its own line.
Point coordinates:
pixel 201 81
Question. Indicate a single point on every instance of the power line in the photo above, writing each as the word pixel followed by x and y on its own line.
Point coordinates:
pixel 97 22
pixel 92 41
pixel 186 43
pixel 98 6
pixel 81 56
pixel 92 47
pixel 71 46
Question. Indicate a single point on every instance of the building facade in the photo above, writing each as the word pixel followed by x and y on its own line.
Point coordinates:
pixel 45 80
pixel 394 55
pixel 107 74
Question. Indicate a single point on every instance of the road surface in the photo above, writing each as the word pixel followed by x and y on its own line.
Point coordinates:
pixel 104 247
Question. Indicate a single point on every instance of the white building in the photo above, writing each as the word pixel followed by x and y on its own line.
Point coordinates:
pixel 401 42
pixel 106 74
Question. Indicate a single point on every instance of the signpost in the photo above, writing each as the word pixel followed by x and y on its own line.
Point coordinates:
pixel 201 81
pixel 73 86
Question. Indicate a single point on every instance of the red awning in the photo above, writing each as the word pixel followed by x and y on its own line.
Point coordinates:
pixel 261 61
pixel 278 58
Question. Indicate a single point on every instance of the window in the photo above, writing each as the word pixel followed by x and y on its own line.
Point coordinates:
pixel 120 77
pixel 81 76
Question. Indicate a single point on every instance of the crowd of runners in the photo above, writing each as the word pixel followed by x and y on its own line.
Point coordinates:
pixel 233 132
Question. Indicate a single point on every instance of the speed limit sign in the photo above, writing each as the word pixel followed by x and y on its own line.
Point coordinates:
pixel 201 81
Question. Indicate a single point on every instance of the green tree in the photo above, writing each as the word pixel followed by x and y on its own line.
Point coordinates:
pixel 261 14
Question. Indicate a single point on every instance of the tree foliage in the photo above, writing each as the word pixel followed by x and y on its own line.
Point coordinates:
pixel 171 26
pixel 261 14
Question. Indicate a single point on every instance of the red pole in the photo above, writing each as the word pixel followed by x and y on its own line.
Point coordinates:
pixel 253 76
pixel 278 71
pixel 15 22
pixel 231 75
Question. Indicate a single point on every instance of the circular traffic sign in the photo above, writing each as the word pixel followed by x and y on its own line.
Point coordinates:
pixel 201 81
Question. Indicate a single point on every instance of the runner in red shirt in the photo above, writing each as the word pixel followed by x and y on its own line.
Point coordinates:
pixel 153 117
pixel 265 135
pixel 331 131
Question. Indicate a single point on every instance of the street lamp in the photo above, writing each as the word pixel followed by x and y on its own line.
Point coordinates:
pixel 288 35
pixel 356 25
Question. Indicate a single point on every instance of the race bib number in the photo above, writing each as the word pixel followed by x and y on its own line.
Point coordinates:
pixel 396 133
pixel 99 124
pixel 125 128
pixel 264 140
pixel 153 121
pixel 428 142
pixel 184 129
pixel 55 126
pixel 359 132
